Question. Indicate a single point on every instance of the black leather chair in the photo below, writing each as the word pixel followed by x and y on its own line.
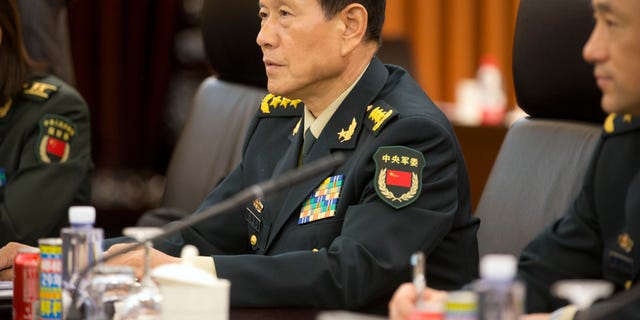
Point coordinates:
pixel 210 144
pixel 543 158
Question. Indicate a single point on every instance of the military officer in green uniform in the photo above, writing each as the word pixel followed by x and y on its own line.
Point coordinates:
pixel 44 143
pixel 599 236
pixel 342 239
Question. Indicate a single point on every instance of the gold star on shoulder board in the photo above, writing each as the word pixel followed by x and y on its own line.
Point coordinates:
pixel 276 101
pixel 343 135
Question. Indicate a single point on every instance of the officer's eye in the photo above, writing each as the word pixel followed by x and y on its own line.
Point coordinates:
pixel 284 13
pixel 262 15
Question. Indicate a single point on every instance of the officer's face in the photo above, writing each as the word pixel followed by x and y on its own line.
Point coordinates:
pixel 301 48
pixel 614 49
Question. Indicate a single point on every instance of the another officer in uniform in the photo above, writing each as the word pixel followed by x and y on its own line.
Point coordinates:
pixel 342 239
pixel 599 238
pixel 44 143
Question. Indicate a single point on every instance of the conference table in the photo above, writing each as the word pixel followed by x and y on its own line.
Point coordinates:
pixel 259 313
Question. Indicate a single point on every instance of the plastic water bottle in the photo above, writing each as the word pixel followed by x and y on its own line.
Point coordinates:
pixel 81 245
pixel 494 100
pixel 501 296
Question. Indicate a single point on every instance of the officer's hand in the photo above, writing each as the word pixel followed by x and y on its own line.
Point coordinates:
pixel 403 302
pixel 135 258
pixel 7 275
pixel 7 255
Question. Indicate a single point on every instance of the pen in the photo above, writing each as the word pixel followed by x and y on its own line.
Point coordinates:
pixel 419 280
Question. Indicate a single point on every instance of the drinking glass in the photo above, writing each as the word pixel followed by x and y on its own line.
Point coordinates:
pixel 107 286
pixel 145 302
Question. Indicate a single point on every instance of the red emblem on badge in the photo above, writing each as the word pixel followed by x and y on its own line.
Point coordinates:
pixel 56 147
pixel 399 178
pixel 56 134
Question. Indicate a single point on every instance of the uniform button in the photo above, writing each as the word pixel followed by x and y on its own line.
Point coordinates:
pixel 315 250
pixel 253 239
pixel 628 284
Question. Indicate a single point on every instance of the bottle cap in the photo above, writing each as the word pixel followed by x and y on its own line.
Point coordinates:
pixel 28 250
pixel 489 59
pixel 82 215
pixel 498 267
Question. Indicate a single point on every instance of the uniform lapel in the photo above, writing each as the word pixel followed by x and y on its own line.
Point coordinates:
pixel 290 159
pixel 352 108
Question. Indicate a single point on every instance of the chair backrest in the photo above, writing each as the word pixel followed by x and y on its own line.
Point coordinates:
pixel 542 161
pixel 210 144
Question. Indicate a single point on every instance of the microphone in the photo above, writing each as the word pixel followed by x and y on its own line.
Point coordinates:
pixel 258 190
pixel 604 309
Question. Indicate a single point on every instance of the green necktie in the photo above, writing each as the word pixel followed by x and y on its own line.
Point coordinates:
pixel 309 139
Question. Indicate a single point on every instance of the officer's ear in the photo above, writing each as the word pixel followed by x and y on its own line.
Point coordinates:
pixel 354 18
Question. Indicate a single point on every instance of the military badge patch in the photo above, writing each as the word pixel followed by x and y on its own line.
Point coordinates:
pixel 56 133
pixel 398 178
pixel 322 203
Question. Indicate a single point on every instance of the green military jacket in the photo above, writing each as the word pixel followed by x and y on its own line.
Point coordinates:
pixel 598 237
pixel 343 239
pixel 45 159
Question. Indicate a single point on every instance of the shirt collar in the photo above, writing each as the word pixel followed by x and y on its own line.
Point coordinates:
pixel 316 125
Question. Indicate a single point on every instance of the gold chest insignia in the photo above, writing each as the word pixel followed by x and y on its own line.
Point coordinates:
pixel 625 242
pixel 345 135
pixel 257 204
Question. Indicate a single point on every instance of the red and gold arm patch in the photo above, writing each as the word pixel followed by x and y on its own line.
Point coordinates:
pixel 398 179
pixel 54 141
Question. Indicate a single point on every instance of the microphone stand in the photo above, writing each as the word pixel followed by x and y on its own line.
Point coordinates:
pixel 258 190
